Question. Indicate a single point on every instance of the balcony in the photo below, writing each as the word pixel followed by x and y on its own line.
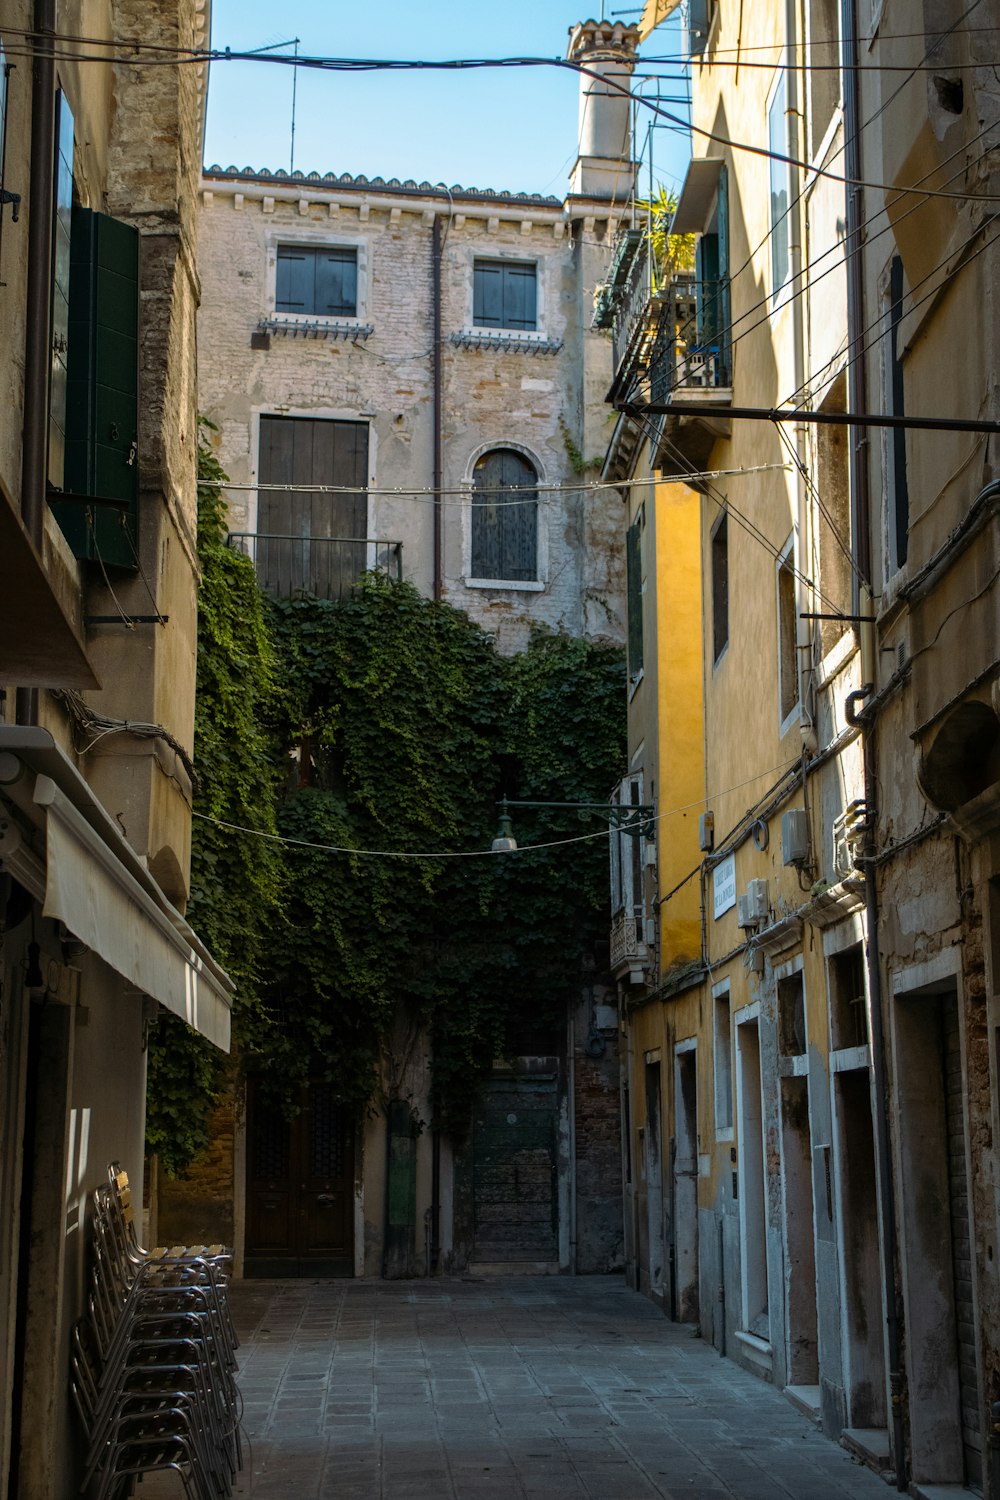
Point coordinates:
pixel 629 952
pixel 327 566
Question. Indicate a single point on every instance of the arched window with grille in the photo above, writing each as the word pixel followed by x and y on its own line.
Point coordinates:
pixel 505 517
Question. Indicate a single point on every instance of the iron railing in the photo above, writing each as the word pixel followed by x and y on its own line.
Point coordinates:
pixel 327 566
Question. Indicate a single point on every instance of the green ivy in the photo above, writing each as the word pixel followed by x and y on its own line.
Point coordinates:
pixel 396 727
pixel 237 880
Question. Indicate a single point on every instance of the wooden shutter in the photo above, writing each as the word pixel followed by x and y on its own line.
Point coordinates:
pixel 307 541
pixel 102 431
pixel 724 317
pixel 519 302
pixel 487 294
pixel 897 438
pixel 294 286
pixel 336 283
pixel 505 524
pixel 707 288
pixel 633 570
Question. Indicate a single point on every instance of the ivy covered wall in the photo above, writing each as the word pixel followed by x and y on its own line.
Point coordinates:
pixel 384 727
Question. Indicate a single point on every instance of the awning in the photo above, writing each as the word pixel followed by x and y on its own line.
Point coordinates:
pixel 96 884
pixel 695 201
pixel 39 645
pixel 653 12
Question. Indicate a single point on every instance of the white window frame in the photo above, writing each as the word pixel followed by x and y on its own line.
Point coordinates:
pixel 315 237
pixel 509 585
pixel 540 334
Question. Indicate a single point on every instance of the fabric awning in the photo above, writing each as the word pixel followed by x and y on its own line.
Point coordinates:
pixel 103 903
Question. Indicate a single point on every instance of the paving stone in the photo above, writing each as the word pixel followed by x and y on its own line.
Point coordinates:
pixel 514 1389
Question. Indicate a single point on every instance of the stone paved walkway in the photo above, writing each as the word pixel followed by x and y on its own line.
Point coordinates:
pixel 548 1388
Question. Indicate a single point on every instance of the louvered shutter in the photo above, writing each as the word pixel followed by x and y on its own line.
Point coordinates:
pixel 487 295
pixel 336 283
pixel 633 571
pixel 519 301
pixel 102 430
pixel 295 281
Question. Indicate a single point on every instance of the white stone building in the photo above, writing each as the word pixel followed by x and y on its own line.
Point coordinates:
pixel 375 356
pixel 403 337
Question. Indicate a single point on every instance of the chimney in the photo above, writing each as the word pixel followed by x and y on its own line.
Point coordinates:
pixel 604 166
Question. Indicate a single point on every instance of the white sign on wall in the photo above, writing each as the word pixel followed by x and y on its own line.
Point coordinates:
pixel 724 886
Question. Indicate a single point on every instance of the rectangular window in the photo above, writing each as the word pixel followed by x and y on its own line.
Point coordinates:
pixel 777 138
pixel 848 1013
pixel 317 279
pixel 633 571
pixel 723 1062
pixel 505 294
pixel 788 674
pixel 627 882
pixel 307 540
pixel 720 588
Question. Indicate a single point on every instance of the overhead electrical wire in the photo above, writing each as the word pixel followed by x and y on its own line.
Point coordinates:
pixel 601 833
pixel 469 491
pixel 365 65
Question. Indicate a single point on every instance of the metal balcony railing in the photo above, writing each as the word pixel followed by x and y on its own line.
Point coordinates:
pixel 691 349
pixel 327 566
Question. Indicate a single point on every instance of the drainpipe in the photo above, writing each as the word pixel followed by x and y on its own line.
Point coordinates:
pixel 38 299
pixel 436 365
pixel 880 1088
pixel 861 541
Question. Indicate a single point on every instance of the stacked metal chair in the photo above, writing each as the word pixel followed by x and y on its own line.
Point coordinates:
pixel 153 1360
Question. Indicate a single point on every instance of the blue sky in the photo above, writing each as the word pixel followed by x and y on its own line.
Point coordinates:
pixel 513 129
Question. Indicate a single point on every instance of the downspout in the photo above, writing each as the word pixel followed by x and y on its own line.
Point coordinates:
pixel 38 298
pixel 437 383
pixel 880 1088
pixel 861 546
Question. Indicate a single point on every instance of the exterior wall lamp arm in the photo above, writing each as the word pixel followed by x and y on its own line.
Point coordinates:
pixel 635 819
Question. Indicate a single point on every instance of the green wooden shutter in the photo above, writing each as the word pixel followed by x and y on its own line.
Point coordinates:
pixel 724 307
pixel 102 401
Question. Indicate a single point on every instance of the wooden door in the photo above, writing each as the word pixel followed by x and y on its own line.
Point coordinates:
pixel 308 541
pixel 514 1172
pixel 300 1187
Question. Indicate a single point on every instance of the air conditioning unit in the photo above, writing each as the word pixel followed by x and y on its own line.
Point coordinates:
pixel 706 832
pixel 744 914
pixel 760 906
pixel 795 837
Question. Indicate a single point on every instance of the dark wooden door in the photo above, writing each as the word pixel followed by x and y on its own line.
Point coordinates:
pixel 300 1187
pixel 516 1201
pixel 309 541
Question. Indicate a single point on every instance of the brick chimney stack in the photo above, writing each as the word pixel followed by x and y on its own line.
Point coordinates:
pixel 604 166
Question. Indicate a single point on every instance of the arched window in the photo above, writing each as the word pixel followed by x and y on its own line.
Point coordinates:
pixel 505 524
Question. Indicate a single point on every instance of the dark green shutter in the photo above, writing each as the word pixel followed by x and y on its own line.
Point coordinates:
pixel 725 316
pixel 102 403
pixel 633 568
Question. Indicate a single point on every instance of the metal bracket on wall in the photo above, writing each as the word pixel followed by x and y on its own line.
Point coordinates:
pixel 128 620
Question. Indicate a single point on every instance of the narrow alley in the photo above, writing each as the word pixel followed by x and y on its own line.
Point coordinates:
pixel 490 1390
